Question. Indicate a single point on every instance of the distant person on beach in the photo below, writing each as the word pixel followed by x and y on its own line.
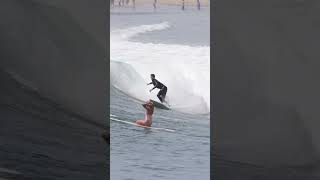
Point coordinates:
pixel 155 4
pixel 198 4
pixel 147 121
pixel 182 5
pixel 163 89
pixel 121 2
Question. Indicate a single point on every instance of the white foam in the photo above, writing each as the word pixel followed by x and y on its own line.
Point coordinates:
pixel 184 69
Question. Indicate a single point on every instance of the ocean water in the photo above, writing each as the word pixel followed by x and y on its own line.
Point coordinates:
pixel 174 45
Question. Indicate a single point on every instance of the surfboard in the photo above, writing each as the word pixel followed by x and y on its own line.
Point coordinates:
pixel 159 105
pixel 156 104
pixel 132 123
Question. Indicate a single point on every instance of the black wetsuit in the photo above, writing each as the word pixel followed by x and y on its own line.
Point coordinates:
pixel 163 89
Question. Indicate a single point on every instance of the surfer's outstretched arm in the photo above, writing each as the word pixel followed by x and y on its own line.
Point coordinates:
pixel 144 105
pixel 149 83
pixel 152 88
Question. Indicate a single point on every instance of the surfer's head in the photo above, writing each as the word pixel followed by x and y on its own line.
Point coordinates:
pixel 150 102
pixel 150 107
pixel 152 76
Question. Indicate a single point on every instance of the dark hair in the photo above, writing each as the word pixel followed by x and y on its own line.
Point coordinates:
pixel 152 75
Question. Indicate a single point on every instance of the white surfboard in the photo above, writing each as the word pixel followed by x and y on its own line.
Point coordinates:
pixel 159 105
pixel 132 123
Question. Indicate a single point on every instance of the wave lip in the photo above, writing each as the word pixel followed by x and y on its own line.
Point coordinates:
pixel 126 34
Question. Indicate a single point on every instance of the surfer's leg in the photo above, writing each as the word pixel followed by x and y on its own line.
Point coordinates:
pixel 140 122
pixel 164 92
pixel 146 122
pixel 143 123
pixel 159 95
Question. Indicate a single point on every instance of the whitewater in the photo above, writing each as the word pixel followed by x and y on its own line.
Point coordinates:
pixel 184 69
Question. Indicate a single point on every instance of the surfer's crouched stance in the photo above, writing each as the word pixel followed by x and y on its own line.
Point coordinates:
pixel 147 121
pixel 163 89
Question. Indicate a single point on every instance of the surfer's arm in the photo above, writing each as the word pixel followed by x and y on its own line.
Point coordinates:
pixel 152 88
pixel 149 83
pixel 144 105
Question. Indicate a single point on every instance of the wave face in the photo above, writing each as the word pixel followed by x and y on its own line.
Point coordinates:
pixel 184 69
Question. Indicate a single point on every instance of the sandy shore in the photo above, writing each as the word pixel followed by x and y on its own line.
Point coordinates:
pixel 170 2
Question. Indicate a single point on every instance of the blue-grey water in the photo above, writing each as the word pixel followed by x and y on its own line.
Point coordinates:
pixel 141 154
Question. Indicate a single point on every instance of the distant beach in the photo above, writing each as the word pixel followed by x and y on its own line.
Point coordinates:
pixel 167 2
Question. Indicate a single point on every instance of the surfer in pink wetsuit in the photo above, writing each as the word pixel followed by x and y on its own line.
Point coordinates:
pixel 147 121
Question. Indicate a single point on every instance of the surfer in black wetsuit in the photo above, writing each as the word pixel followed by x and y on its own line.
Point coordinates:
pixel 163 89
